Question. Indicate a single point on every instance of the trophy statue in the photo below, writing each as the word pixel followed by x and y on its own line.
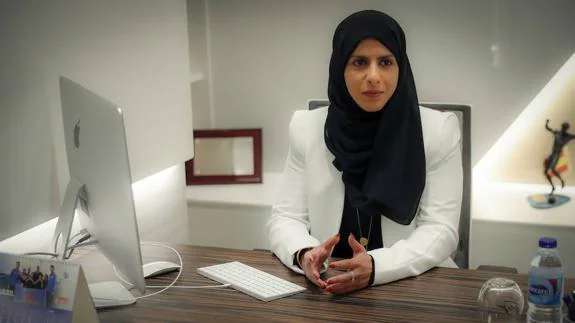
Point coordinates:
pixel 554 165
pixel 561 138
pixel 556 162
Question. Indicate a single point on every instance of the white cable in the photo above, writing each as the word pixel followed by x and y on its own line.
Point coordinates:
pixel 119 276
pixel 82 232
pixel 179 271
pixel 72 246
pixel 164 288
pixel 193 287
pixel 82 244
pixel 53 255
pixel 122 279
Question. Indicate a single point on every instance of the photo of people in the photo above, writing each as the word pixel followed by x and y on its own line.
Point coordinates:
pixel 37 287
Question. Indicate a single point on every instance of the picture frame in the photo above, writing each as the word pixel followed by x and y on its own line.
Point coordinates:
pixel 225 156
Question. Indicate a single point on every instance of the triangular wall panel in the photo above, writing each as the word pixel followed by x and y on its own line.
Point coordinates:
pixel 518 156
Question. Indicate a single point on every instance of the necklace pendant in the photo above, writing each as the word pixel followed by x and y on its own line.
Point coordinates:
pixel 363 241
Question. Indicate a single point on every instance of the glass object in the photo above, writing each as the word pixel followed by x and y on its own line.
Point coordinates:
pixel 501 300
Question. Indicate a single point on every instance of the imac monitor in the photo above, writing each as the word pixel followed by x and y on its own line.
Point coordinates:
pixel 100 181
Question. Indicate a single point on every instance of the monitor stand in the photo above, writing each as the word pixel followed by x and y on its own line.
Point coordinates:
pixel 110 294
pixel 104 294
pixel 75 194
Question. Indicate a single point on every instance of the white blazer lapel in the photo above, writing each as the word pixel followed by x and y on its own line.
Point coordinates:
pixel 326 193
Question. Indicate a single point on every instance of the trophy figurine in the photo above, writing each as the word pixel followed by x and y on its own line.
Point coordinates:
pixel 554 165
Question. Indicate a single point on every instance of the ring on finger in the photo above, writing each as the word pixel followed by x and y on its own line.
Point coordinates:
pixel 352 276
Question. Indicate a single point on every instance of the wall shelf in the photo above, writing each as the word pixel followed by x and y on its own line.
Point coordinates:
pixel 506 202
pixel 258 195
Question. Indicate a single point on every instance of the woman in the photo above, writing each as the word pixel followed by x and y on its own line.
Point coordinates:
pixel 374 176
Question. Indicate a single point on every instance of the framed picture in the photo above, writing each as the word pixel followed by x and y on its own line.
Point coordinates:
pixel 225 156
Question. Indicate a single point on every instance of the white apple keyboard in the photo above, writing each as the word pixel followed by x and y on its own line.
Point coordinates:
pixel 252 281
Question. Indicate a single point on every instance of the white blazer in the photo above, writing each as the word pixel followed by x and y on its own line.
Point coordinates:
pixel 309 206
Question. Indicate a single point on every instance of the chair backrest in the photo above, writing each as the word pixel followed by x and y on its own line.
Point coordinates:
pixel 463 113
pixel 314 104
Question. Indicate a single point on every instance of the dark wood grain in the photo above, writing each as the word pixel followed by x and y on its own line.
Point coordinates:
pixel 440 295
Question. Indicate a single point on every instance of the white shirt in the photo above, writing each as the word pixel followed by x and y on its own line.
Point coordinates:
pixel 308 209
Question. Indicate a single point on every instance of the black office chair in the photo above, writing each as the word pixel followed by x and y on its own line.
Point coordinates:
pixel 463 113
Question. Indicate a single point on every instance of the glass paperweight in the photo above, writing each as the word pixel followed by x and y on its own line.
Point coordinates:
pixel 500 300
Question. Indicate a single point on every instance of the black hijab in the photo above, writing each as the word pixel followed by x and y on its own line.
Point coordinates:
pixel 381 154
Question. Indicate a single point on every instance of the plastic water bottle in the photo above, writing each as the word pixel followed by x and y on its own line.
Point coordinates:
pixel 545 284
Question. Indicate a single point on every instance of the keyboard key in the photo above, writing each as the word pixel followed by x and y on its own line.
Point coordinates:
pixel 251 281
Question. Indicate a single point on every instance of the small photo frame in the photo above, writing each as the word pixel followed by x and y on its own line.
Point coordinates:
pixel 34 289
pixel 225 156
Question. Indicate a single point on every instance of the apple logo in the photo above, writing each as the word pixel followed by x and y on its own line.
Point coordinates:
pixel 77 135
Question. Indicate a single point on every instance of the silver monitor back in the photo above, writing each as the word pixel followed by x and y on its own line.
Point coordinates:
pixel 100 180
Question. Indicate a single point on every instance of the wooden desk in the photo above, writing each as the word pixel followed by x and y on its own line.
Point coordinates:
pixel 440 295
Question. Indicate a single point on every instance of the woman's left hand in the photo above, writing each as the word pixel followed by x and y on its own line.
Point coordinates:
pixel 358 270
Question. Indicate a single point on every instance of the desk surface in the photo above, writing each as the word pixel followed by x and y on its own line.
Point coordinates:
pixel 440 295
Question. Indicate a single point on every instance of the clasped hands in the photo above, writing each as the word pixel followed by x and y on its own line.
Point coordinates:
pixel 357 270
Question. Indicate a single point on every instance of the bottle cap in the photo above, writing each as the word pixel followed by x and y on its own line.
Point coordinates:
pixel 547 242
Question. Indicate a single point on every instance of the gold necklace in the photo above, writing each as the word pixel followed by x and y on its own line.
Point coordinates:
pixel 362 240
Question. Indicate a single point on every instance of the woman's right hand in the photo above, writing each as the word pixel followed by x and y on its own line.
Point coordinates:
pixel 312 260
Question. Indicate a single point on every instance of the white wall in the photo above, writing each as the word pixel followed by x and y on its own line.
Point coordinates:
pixel 269 57
pixel 27 169
pixel 506 229
pixel 514 244
pixel 160 208
pixel 228 226
pixel 135 53
pixel 198 31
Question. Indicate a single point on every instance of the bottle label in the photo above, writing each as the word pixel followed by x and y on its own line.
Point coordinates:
pixel 545 291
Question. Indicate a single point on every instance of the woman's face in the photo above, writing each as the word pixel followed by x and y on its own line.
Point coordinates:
pixel 371 75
